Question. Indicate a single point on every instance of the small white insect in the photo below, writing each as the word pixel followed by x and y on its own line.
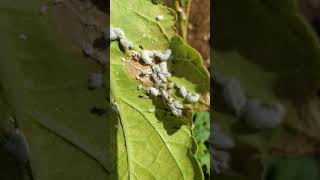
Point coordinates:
pixel 146 57
pixel 177 105
pixel 152 110
pixel 163 56
pixel 95 80
pixel 166 74
pixel 139 86
pixel 126 44
pixel 183 92
pixel 162 77
pixel 262 116
pixel 116 34
pixel 112 35
pixel 177 112
pixel 153 91
pixel 116 107
pixel 192 98
pixel 163 66
pixel 156 68
pixel 156 80
pixel 234 95
pixel 159 17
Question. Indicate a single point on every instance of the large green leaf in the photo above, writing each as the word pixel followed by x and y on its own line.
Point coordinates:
pixel 152 145
pixel 43 80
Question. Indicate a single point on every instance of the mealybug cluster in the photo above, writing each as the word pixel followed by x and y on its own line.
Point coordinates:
pixel 157 71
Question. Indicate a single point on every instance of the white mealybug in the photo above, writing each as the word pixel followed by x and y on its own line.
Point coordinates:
pixel 163 66
pixel 153 91
pixel 95 80
pixel 112 35
pixel 234 95
pixel 183 92
pixel 159 18
pixel 162 77
pixel 116 107
pixel 145 56
pixel 261 116
pixel 163 56
pixel 177 105
pixel 152 110
pixel 166 74
pixel 177 112
pixel 156 80
pixel 119 32
pixel 192 98
pixel 171 105
pixel 164 69
pixel 156 68
pixel 125 44
pixel 116 33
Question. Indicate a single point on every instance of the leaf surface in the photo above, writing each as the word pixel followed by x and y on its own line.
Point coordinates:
pixel 152 145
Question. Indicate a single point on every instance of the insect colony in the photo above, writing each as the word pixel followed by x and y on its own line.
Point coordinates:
pixel 157 72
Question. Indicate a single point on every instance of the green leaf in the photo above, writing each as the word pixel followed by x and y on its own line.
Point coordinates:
pixel 203 156
pixel 151 145
pixel 43 80
pixel 188 58
pixel 201 134
pixel 201 126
